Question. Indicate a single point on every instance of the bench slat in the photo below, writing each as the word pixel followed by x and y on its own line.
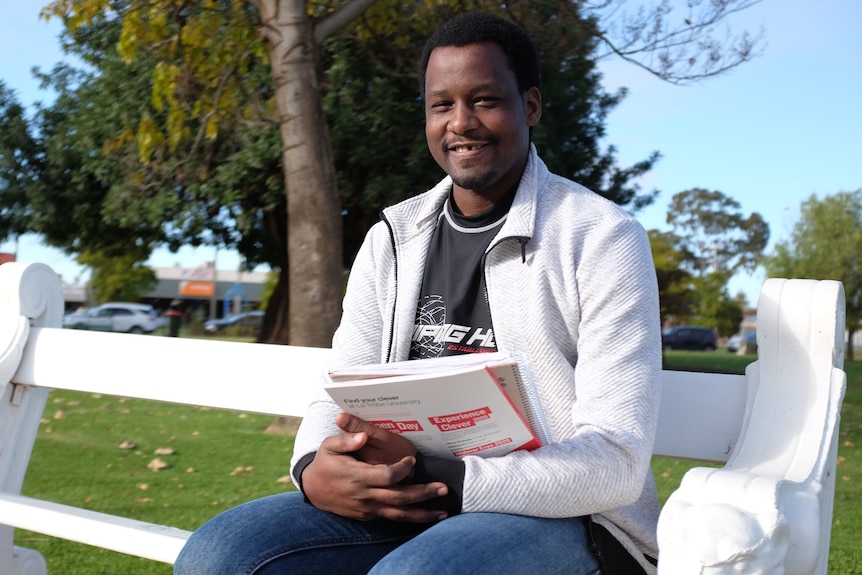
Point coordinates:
pixel 701 415
pixel 259 378
pixel 128 536
pixel 700 418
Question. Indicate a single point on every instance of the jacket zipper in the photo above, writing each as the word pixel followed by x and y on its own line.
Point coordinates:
pixel 521 240
pixel 395 291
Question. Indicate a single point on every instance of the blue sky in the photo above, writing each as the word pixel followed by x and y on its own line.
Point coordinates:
pixel 769 134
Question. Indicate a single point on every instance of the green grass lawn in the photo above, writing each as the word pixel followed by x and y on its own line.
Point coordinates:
pixel 223 458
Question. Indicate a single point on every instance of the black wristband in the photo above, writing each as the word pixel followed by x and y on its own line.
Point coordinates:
pixel 448 471
pixel 300 467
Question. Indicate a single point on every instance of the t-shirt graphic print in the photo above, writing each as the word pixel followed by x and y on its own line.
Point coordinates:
pixel 452 314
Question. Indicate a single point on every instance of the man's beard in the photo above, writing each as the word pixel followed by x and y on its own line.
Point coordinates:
pixel 476 181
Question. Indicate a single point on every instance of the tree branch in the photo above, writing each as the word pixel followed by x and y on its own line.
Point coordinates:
pixel 338 19
pixel 681 52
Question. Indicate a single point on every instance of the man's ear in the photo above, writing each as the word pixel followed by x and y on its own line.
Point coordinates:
pixel 533 106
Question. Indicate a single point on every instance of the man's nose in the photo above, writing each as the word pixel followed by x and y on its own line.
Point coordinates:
pixel 463 119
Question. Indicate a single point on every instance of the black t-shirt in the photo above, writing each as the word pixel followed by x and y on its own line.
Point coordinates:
pixel 452 315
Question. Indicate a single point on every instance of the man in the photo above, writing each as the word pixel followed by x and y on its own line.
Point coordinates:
pixel 517 259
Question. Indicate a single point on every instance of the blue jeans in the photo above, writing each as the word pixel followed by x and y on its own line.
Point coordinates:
pixel 283 534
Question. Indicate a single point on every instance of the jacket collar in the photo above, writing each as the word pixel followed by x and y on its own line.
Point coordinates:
pixel 421 212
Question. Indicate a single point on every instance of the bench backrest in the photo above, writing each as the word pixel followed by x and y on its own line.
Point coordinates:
pixel 701 413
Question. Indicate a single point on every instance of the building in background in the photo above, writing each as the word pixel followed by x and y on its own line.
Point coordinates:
pixel 207 291
pixel 203 291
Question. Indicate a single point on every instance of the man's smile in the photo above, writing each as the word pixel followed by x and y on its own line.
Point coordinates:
pixel 464 147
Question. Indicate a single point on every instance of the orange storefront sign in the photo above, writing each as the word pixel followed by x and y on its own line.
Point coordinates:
pixel 196 288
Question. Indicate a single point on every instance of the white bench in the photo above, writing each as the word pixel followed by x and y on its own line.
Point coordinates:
pixel 775 428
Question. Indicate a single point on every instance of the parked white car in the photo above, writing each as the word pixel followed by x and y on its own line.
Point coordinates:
pixel 116 316
pixel 738 340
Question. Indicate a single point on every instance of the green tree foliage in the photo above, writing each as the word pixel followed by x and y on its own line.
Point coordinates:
pixel 710 240
pixel 92 195
pixel 117 278
pixel 714 307
pixel 676 294
pixel 19 165
pixel 825 244
pixel 714 233
pixel 686 298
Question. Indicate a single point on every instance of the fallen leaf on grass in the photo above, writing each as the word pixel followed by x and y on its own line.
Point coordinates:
pixel 164 451
pixel 157 464
pixel 127 445
pixel 285 479
pixel 241 471
pixel 58 414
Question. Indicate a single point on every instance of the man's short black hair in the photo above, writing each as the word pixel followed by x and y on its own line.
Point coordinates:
pixel 476 27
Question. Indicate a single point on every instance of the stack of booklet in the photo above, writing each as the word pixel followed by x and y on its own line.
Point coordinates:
pixel 476 404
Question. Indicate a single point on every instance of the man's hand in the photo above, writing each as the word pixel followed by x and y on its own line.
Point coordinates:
pixel 338 482
pixel 380 446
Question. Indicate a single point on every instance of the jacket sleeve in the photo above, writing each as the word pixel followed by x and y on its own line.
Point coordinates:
pixel 358 339
pixel 594 346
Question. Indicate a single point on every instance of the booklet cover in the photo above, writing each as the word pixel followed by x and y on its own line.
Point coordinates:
pixel 476 404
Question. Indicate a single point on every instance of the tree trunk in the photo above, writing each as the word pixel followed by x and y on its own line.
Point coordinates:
pixel 313 206
pixel 275 326
pixel 307 298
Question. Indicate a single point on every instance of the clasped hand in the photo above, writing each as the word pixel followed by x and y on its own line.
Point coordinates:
pixel 365 473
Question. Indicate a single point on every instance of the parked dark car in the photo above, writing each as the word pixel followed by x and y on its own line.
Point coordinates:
pixel 689 337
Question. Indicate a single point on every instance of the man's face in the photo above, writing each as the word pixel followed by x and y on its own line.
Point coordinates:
pixel 476 121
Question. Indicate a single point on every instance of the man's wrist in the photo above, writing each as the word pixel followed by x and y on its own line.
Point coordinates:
pixel 448 471
pixel 300 466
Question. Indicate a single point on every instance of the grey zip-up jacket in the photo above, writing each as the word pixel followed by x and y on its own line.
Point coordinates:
pixel 571 285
